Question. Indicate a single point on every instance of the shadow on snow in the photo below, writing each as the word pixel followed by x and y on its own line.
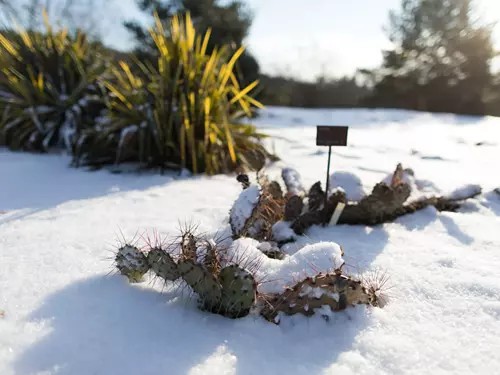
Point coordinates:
pixel 103 325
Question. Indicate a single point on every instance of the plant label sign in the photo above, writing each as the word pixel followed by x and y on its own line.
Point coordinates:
pixel 331 136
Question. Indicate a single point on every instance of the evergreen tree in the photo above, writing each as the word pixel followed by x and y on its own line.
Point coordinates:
pixel 441 59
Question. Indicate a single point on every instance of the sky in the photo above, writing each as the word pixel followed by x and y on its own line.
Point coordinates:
pixel 305 39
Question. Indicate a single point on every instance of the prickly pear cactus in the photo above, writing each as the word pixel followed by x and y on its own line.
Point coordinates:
pixel 202 282
pixel 132 263
pixel 162 264
pixel 334 290
pixel 238 291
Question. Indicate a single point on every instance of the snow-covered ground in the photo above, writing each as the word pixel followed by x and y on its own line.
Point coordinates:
pixel 61 314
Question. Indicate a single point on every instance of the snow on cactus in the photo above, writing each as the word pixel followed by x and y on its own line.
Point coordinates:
pixel 282 232
pixel 464 192
pixel 293 182
pixel 350 183
pixel 243 208
pixel 307 261
pixel 233 285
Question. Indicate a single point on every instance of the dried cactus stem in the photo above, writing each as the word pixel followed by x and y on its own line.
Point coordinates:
pixel 266 210
pixel 293 208
pixel 385 204
pixel 211 261
pixel 188 246
pixel 316 197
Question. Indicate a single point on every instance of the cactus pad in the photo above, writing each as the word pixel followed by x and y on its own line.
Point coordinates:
pixel 334 290
pixel 238 291
pixel 132 263
pixel 162 264
pixel 202 282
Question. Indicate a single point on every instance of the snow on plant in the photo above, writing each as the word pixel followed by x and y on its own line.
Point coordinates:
pixel 49 89
pixel 350 183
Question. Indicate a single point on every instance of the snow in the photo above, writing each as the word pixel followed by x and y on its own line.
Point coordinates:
pixel 464 192
pixel 292 180
pixel 282 231
pixel 243 207
pixel 350 183
pixel 63 313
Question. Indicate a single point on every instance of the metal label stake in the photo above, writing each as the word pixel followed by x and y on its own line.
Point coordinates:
pixel 330 136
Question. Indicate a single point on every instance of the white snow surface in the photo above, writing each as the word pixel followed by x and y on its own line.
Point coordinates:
pixel 350 183
pixel 282 231
pixel 61 313
pixel 464 192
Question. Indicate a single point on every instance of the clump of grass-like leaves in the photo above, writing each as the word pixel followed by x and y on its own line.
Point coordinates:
pixel 182 111
pixel 49 89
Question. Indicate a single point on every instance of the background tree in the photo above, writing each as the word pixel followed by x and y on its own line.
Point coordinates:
pixel 83 15
pixel 230 23
pixel 441 59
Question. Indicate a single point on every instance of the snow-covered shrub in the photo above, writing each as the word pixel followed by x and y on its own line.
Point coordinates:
pixel 182 111
pixel 49 88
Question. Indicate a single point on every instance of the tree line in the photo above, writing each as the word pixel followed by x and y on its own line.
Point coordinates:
pixel 440 61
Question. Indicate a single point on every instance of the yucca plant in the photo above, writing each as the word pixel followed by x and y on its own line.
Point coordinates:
pixel 49 88
pixel 182 112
